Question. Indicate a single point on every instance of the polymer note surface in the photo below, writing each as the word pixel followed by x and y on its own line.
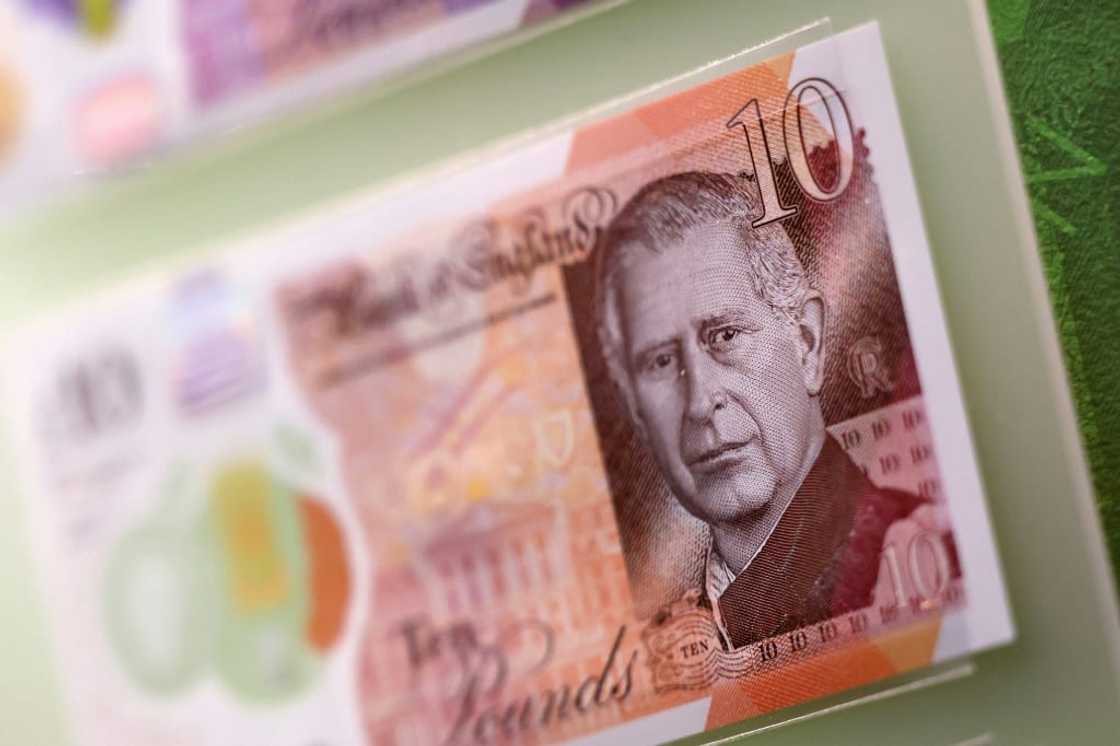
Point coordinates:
pixel 644 428
pixel 96 85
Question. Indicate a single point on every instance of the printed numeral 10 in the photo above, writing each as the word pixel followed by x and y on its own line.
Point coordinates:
pixel 824 99
pixel 928 568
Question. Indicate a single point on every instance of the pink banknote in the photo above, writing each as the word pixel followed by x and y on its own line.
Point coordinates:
pixel 644 428
pixel 92 86
pixel 235 47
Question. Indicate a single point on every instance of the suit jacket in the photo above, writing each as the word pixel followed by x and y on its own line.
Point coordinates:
pixel 822 558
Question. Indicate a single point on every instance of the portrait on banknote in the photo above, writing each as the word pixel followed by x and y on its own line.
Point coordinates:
pixel 715 342
pixel 753 384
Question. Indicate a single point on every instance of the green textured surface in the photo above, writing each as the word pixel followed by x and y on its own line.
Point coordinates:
pixel 1058 684
pixel 1062 77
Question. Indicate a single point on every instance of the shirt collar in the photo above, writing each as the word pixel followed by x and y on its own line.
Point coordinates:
pixel 717 578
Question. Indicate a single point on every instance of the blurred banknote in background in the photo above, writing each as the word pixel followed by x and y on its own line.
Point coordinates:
pixel 91 86
pixel 643 428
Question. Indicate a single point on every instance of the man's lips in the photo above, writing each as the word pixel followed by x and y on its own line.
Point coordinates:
pixel 720 457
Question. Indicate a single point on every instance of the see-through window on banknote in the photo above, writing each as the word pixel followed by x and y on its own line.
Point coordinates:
pixel 643 428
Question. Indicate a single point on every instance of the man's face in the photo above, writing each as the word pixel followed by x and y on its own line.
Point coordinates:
pixel 721 382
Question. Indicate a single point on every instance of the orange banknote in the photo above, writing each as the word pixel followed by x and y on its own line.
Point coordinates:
pixel 643 428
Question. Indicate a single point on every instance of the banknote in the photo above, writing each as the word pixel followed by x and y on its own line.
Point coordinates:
pixel 642 427
pixel 93 86
pixel 235 48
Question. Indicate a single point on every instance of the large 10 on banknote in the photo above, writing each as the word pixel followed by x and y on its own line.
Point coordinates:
pixel 642 429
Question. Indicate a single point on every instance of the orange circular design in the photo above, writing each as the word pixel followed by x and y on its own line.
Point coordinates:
pixel 328 574
pixel 11 104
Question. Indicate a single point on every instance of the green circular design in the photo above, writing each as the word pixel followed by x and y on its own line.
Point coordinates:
pixel 264 660
pixel 156 609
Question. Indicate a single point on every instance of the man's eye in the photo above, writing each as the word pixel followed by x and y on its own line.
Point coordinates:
pixel 723 338
pixel 661 364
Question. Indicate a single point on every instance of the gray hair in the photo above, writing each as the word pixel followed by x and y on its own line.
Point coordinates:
pixel 659 215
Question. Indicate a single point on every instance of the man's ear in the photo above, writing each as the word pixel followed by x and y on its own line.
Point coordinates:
pixel 624 388
pixel 810 338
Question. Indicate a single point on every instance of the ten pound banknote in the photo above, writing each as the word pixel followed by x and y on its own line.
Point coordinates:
pixel 642 429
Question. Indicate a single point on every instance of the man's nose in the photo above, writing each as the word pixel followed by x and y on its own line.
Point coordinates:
pixel 706 394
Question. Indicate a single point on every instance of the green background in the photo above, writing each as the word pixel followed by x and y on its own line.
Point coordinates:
pixel 1058 684
pixel 1061 70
